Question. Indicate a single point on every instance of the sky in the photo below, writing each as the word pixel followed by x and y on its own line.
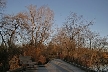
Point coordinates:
pixel 96 10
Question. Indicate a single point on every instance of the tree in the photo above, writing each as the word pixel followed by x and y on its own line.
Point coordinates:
pixel 12 26
pixel 40 21
pixel 91 36
pixel 75 28
pixel 100 42
pixel 2 5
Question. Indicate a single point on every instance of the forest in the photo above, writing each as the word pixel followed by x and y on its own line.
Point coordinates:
pixel 33 33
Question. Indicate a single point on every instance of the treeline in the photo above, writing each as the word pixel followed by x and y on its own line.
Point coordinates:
pixel 76 43
pixel 25 32
pixel 30 33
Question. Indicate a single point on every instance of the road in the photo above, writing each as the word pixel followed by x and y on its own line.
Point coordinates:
pixel 56 65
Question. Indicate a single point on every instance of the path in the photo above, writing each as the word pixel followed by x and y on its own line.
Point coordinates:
pixel 56 65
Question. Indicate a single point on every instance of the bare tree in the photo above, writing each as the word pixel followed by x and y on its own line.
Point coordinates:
pixel 11 26
pixel 2 5
pixel 91 36
pixel 75 28
pixel 41 20
pixel 100 42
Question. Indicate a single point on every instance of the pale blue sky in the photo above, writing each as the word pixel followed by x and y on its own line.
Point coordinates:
pixel 90 9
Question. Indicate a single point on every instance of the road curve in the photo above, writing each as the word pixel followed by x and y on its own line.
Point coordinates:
pixel 56 65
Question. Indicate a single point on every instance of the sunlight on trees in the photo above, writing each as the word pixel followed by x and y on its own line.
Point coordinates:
pixel 29 33
pixel 78 44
